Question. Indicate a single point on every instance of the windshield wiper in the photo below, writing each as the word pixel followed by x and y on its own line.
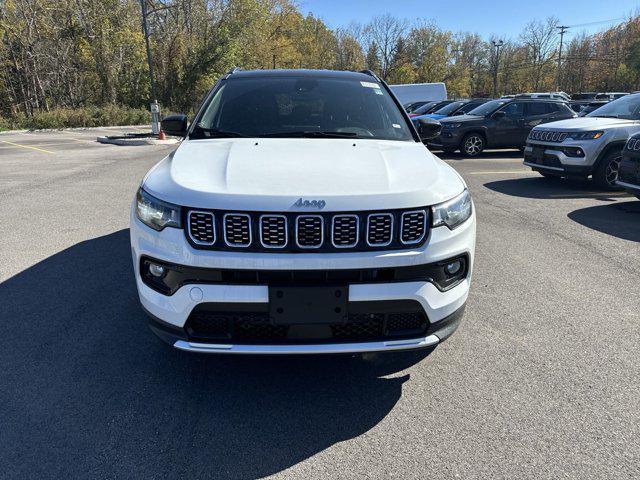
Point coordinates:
pixel 607 116
pixel 215 133
pixel 311 134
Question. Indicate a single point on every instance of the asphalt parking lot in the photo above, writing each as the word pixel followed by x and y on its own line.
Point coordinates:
pixel 542 379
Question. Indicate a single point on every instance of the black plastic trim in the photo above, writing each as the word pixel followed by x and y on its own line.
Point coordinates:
pixel 180 275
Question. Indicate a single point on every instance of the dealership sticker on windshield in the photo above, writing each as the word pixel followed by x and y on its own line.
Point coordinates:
pixel 369 84
pixel 395 125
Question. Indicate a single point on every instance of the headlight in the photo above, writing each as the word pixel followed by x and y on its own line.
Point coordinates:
pixel 454 212
pixel 586 135
pixel 156 213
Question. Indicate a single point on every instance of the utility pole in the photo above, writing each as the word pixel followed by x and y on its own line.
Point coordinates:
pixel 154 107
pixel 497 45
pixel 563 29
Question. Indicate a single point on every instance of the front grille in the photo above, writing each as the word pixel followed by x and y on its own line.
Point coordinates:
pixel 344 231
pixel 309 231
pixel 305 232
pixel 213 322
pixel 403 323
pixel 273 231
pixel 414 226
pixel 380 229
pixel 548 136
pixel 633 144
pixel 358 328
pixel 201 227
pixel 237 229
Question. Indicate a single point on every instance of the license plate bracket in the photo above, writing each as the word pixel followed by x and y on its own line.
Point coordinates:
pixel 308 305
pixel 538 155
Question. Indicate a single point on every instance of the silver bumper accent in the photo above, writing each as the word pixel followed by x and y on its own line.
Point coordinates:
pixel 630 186
pixel 535 165
pixel 389 345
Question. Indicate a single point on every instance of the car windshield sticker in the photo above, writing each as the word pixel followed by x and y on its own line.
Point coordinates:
pixel 369 84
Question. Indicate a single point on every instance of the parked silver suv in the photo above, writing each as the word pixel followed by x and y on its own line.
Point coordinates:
pixel 590 145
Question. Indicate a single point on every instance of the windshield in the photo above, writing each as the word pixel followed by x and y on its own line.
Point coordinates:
pixel 448 109
pixel 411 107
pixel 627 107
pixel 487 108
pixel 301 107
pixel 424 108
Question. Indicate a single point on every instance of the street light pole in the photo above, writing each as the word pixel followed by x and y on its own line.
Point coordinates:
pixel 497 45
pixel 563 29
pixel 155 108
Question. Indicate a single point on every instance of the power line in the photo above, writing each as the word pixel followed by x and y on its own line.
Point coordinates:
pixel 595 23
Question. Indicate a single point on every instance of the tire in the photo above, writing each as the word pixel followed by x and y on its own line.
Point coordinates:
pixel 607 171
pixel 472 145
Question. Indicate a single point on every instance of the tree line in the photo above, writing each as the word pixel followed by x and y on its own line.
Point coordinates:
pixel 75 54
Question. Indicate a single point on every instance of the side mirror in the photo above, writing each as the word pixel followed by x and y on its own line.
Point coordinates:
pixel 499 115
pixel 175 125
pixel 428 128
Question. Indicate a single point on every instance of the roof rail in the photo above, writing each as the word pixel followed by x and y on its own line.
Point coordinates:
pixel 370 73
pixel 232 71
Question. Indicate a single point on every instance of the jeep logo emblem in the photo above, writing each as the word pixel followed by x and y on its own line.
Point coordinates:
pixel 319 204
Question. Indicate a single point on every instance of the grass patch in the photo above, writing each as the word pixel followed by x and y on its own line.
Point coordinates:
pixel 110 115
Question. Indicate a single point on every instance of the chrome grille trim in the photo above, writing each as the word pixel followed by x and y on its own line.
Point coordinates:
pixel 261 232
pixel 424 227
pixel 369 226
pixel 224 230
pixel 307 247
pixel 213 226
pixel 333 236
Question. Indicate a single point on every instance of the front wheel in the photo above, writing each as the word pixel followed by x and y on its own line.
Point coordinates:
pixel 606 174
pixel 472 144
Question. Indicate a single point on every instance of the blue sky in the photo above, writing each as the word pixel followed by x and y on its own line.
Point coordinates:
pixel 486 17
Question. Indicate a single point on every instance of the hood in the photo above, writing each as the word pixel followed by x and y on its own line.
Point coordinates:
pixel 462 118
pixel 272 174
pixel 587 123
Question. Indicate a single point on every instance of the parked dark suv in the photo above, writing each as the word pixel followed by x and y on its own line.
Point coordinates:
pixel 503 123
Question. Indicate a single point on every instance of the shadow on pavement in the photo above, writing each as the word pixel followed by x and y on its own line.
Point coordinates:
pixel 552 188
pixel 620 220
pixel 87 391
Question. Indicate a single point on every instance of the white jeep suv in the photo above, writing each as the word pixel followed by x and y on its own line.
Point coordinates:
pixel 302 214
pixel 589 145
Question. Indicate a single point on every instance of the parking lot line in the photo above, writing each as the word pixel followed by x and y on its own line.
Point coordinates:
pixel 26 146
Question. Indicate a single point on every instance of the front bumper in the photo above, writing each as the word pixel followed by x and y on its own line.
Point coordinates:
pixel 629 173
pixel 556 160
pixel 170 313
pixel 448 139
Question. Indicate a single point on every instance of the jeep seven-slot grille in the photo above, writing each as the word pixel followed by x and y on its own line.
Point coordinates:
pixel 413 226
pixel 237 229
pixel 273 231
pixel 345 231
pixel 307 232
pixel 201 228
pixel 380 229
